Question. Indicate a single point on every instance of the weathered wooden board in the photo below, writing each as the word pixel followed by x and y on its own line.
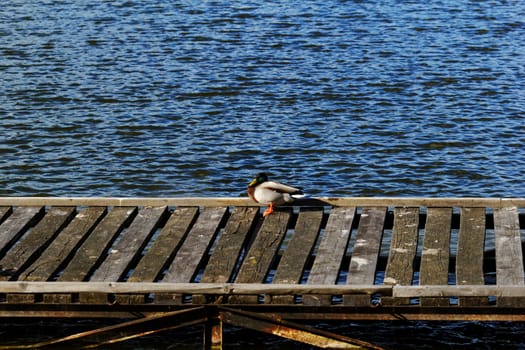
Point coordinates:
pixel 130 244
pixel 16 224
pixel 436 252
pixel 92 250
pixel 162 251
pixel 261 254
pixel 403 250
pixel 37 244
pixel 222 262
pixel 442 202
pixel 166 244
pixel 469 257
pixel 63 245
pixel 31 244
pixel 225 256
pixel 509 255
pixel 24 287
pixel 366 252
pixel 330 252
pixel 60 249
pixel 5 212
pixel 126 250
pixel 300 246
pixel 198 241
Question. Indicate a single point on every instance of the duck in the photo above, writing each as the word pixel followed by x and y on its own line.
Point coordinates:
pixel 272 193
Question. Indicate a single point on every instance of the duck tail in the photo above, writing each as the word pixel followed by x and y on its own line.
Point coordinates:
pixel 300 196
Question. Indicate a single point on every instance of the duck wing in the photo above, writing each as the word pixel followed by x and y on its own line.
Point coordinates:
pixel 281 188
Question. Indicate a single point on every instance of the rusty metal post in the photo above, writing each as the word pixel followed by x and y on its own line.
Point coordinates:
pixel 213 332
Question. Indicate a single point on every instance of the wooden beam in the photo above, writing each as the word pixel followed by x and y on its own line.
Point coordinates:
pixel 457 291
pixel 471 202
pixel 436 252
pixel 188 288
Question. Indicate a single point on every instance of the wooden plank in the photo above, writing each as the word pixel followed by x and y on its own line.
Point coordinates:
pixel 301 245
pixel 25 287
pixel 92 250
pixel 262 253
pixel 509 262
pixel 5 212
pixel 60 249
pixel 225 257
pixel 63 245
pixel 32 244
pixel 470 291
pixel 366 252
pixel 509 256
pixel 403 250
pixel 469 257
pixel 198 241
pixel 436 253
pixel 130 244
pixel 162 251
pixel 331 251
pixel 126 250
pixel 245 201
pixel 222 262
pixel 16 224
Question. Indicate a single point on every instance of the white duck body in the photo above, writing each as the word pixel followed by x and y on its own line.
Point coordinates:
pixel 270 192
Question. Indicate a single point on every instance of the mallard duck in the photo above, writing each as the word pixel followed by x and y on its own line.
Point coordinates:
pixel 272 193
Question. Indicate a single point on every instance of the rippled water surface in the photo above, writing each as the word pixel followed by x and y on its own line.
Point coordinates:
pixel 185 98
pixel 343 98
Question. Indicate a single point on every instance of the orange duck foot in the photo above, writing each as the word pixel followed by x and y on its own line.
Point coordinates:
pixel 268 211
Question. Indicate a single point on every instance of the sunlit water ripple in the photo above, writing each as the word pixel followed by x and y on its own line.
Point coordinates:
pixel 176 98
pixel 187 98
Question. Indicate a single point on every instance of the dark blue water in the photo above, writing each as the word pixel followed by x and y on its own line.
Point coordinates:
pixel 343 98
pixel 185 98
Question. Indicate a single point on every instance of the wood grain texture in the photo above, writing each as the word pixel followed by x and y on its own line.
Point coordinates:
pixel 470 202
pixel 130 244
pixel 5 212
pixel 34 242
pixel 189 257
pixel 300 246
pixel 331 251
pixel 165 246
pixel 126 250
pixel 509 255
pixel 222 262
pixel 469 257
pixel 366 251
pixel 63 245
pixel 92 249
pixel 225 257
pixel 436 253
pixel 261 254
pixel 161 252
pixel 60 249
pixel 197 243
pixel 16 225
pixel 403 250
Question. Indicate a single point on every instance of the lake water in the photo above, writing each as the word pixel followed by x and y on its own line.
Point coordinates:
pixel 192 98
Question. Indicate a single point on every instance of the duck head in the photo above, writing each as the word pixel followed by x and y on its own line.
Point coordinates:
pixel 259 179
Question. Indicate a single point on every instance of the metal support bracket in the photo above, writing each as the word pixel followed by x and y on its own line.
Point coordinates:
pixel 213 319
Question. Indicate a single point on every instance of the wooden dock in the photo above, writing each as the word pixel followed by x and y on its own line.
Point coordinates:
pixel 167 263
